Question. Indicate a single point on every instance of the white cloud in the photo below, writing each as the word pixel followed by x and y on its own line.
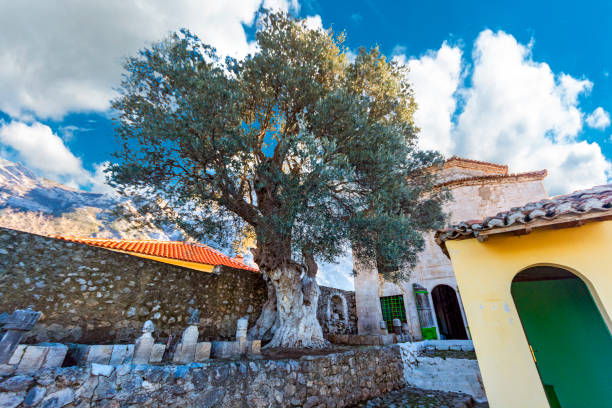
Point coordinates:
pixel 40 149
pixel 599 119
pixel 45 152
pixel 435 77
pixel 314 22
pixel 339 274
pixel 59 59
pixel 515 111
pixel 98 179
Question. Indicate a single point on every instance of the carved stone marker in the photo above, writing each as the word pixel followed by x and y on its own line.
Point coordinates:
pixel 118 354
pixel 254 347
pixel 56 353
pixel 383 328
pixel 157 353
pixel 32 359
pixel 397 327
pixel 144 344
pixel 202 352
pixel 99 354
pixel 16 325
pixel 241 334
pixel 186 349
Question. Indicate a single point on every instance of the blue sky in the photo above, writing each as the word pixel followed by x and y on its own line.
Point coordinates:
pixel 526 84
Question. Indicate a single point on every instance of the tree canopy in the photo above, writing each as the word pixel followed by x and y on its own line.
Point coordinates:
pixel 296 144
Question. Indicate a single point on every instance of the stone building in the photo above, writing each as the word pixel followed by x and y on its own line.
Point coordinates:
pixel 428 303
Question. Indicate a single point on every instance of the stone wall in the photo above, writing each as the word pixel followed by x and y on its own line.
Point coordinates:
pixel 334 380
pixel 94 295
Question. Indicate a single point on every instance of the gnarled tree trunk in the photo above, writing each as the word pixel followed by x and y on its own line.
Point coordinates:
pixel 266 324
pixel 290 313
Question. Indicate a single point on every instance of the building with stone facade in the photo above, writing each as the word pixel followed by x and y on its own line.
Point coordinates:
pixel 428 303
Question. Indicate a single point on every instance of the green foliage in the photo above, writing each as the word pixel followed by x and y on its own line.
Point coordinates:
pixel 306 149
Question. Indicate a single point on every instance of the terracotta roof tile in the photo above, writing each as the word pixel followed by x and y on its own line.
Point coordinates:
pixel 183 251
pixel 596 199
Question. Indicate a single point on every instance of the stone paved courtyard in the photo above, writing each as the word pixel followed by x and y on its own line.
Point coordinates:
pixel 409 397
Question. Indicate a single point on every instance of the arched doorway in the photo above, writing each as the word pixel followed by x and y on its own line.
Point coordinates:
pixel 448 313
pixel 569 340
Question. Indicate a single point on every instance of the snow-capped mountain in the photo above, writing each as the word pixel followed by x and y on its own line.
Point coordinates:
pixel 33 204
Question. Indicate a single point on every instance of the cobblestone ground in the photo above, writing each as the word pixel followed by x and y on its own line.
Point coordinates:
pixel 409 397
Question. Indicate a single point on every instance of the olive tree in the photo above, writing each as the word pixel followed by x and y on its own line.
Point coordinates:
pixel 295 145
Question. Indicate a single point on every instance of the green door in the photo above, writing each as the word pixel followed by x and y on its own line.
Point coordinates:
pixel 570 340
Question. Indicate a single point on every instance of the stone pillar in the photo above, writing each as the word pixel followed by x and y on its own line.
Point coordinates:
pixel 406 332
pixel 241 334
pixel 186 349
pixel 383 328
pixel 369 312
pixel 144 344
pixel 15 326
pixel 425 313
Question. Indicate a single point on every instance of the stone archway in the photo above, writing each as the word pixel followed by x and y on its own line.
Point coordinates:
pixel 448 313
pixel 569 340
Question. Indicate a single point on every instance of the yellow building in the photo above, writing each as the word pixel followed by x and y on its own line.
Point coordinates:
pixel 536 284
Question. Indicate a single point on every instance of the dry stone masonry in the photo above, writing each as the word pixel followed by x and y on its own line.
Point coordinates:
pixel 93 295
pixel 333 380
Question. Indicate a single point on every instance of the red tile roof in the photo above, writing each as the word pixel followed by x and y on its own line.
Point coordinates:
pixel 183 251
pixel 579 203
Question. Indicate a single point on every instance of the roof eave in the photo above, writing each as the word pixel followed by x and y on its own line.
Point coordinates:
pixel 560 222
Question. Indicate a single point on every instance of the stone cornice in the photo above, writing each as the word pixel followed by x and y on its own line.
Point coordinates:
pixel 495 179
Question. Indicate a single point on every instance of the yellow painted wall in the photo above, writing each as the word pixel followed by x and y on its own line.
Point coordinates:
pixel 484 272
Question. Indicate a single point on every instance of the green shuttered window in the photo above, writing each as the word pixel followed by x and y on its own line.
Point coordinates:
pixel 393 308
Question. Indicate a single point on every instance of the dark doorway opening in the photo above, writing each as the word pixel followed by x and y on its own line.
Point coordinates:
pixel 569 340
pixel 448 313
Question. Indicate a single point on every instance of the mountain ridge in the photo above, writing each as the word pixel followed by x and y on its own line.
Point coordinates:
pixel 34 204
